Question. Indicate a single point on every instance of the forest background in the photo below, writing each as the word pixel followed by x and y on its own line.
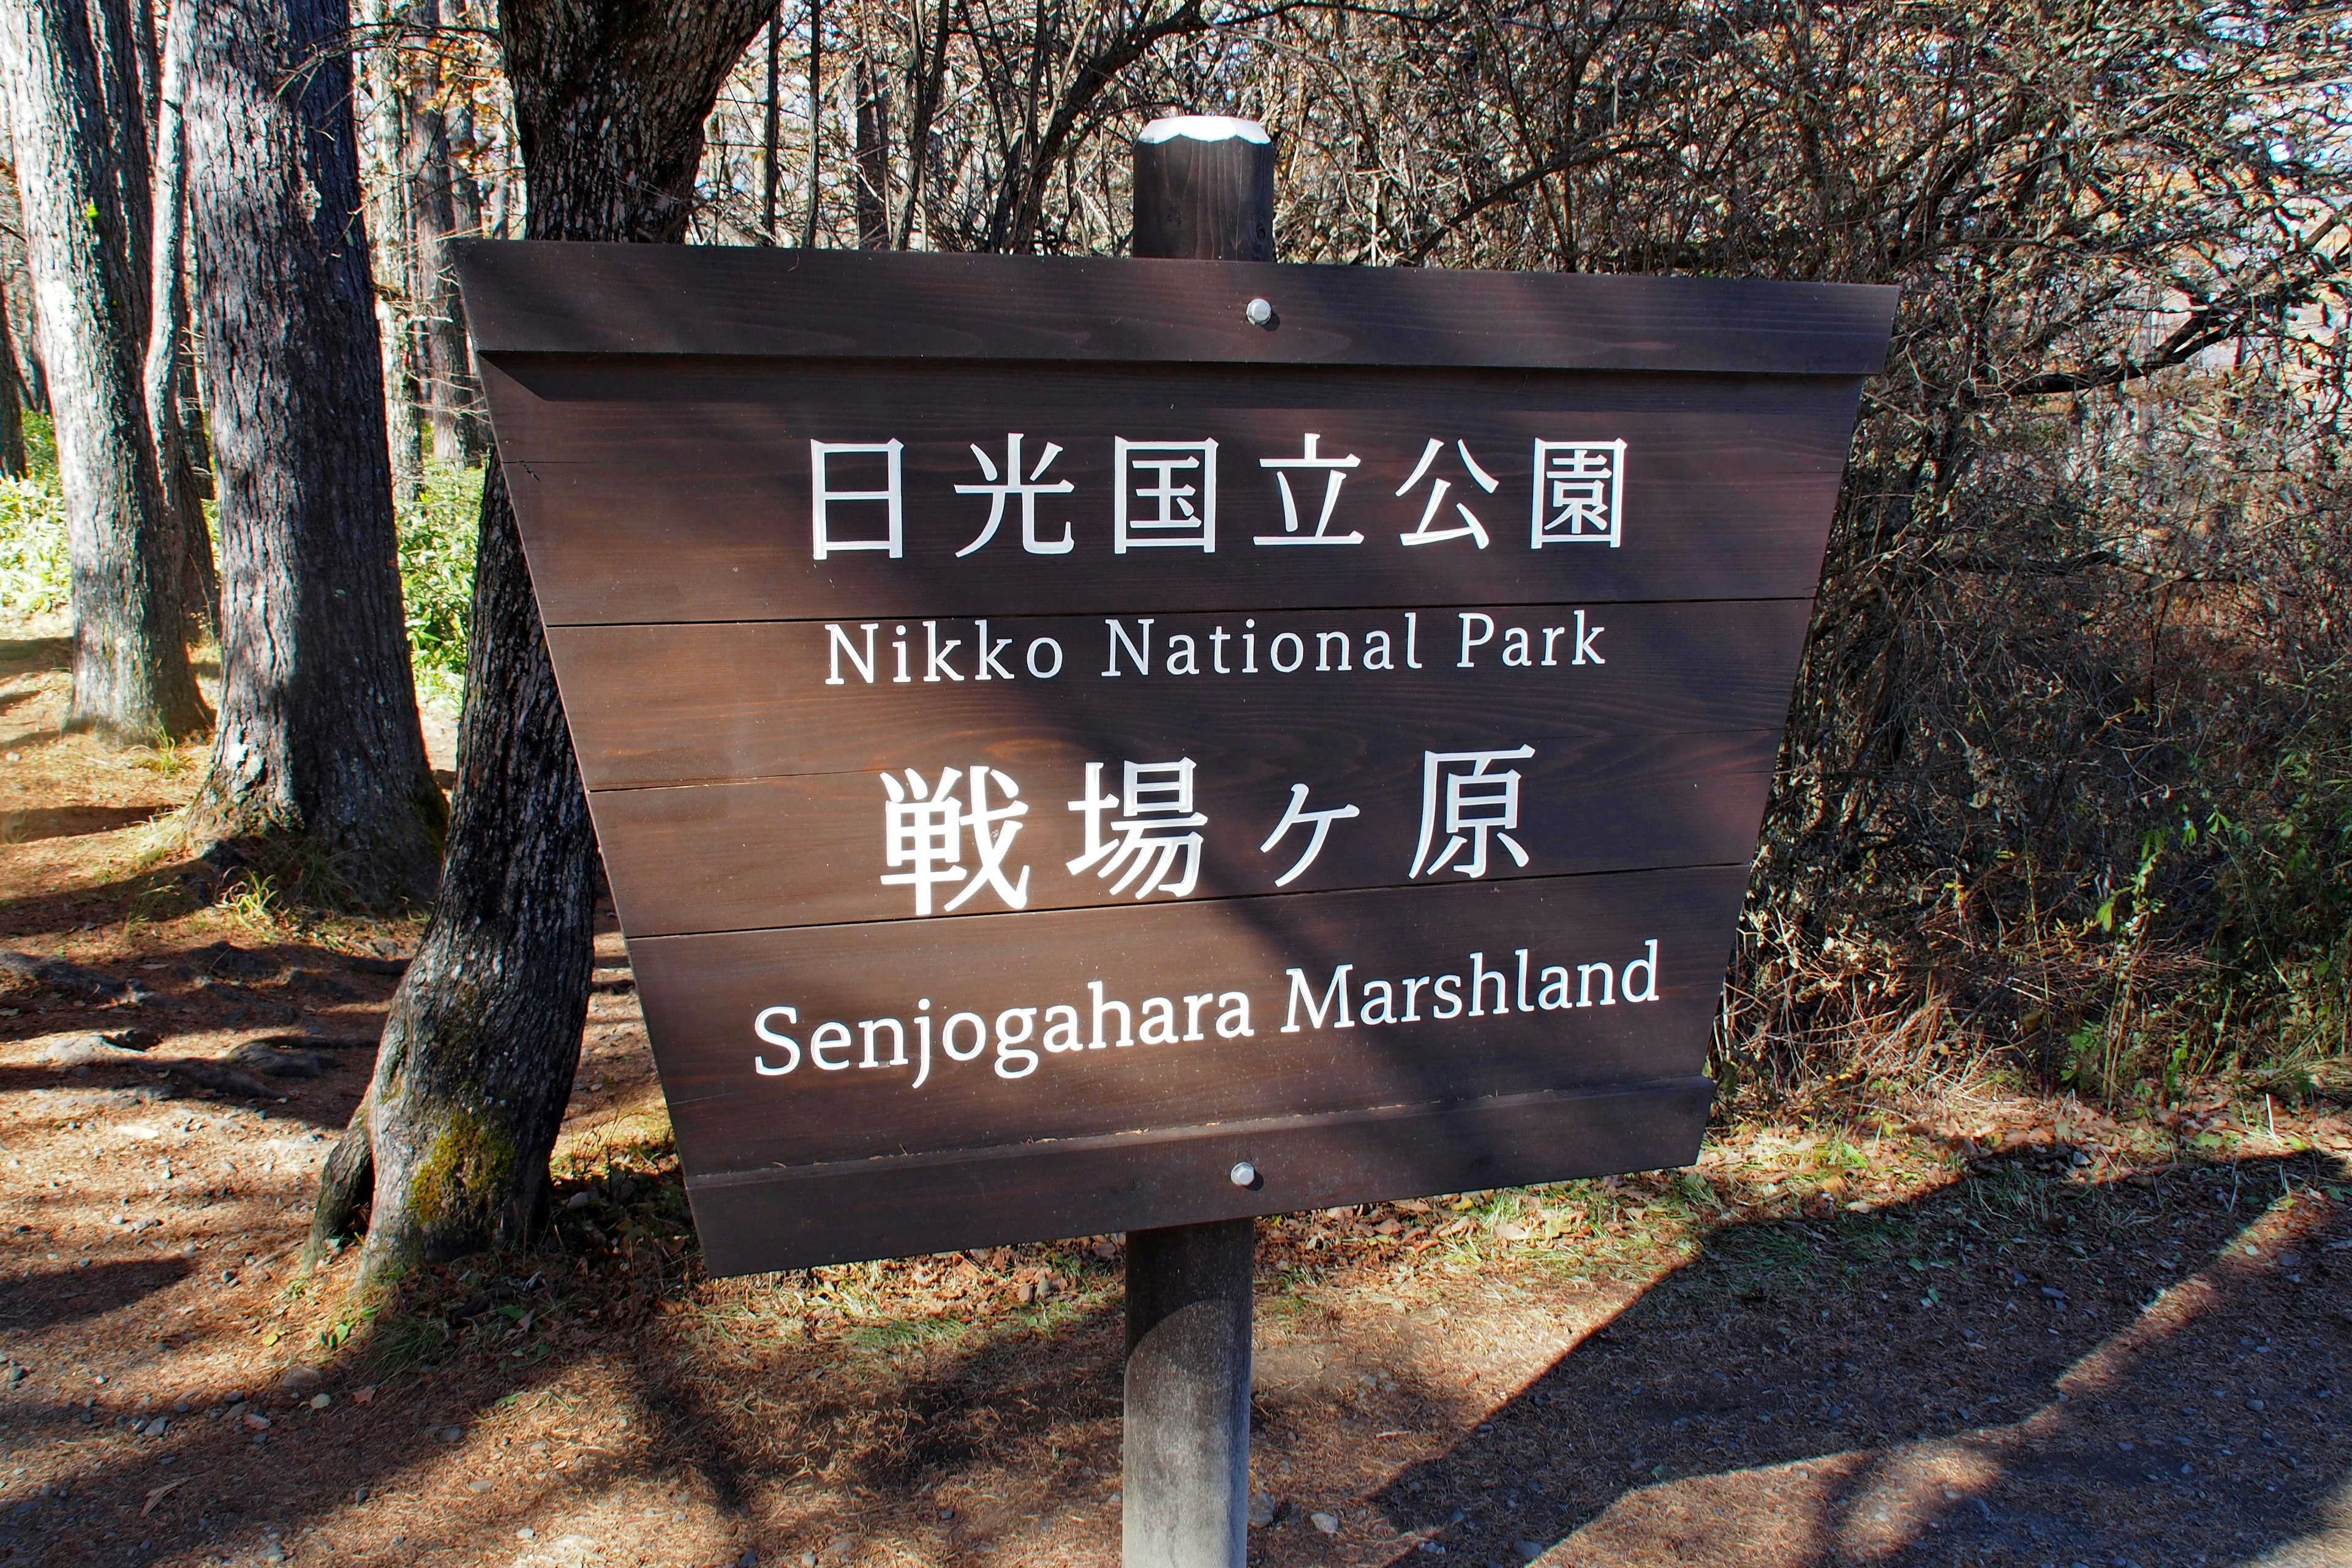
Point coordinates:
pixel 2063 812
pixel 2066 792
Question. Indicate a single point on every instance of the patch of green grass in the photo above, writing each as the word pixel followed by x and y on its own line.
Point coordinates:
pixel 438 530
pixel 36 575
pixel 908 1334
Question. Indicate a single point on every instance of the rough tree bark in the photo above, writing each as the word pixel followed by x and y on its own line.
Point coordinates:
pixel 392 240
pixel 132 680
pixel 484 1033
pixel 319 743
pixel 450 403
pixel 123 95
pixel 167 294
pixel 24 338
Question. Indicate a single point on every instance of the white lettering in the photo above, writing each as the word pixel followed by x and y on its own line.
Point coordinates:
pixel 1469 641
pixel 838 643
pixel 1585 652
pixel 1334 995
pixel 760 1028
pixel 990 667
pixel 1649 966
pixel 1141 653
pixel 935 655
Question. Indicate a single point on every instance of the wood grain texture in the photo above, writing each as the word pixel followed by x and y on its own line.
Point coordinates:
pixel 849 1077
pixel 897 1205
pixel 1204 201
pixel 643 512
pixel 700 703
pixel 725 302
pixel 561 408
pixel 702 994
pixel 717 857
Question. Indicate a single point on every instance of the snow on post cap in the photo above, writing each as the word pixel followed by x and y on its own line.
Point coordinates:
pixel 1204 128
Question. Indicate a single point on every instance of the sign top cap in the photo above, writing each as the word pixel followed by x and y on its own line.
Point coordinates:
pixel 1202 127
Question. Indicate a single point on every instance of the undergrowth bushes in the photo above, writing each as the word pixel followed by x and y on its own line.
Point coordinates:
pixel 2067 787
pixel 436 554
pixel 33 571
pixel 436 573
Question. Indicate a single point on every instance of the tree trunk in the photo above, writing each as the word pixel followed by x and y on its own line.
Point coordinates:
pixel 319 742
pixel 23 319
pixel 484 1033
pixel 149 52
pixel 167 294
pixel 773 127
pixel 12 403
pixel 815 117
pixel 450 402
pixel 465 206
pixel 132 680
pixel 873 156
pixel 122 98
pixel 392 241
pixel 929 72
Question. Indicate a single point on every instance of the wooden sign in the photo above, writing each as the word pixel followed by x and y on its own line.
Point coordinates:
pixel 1082 746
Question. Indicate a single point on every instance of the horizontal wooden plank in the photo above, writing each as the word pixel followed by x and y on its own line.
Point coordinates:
pixel 893 1207
pixel 703 996
pixel 563 408
pixel 707 514
pixel 812 850
pixel 697 703
pixel 549 297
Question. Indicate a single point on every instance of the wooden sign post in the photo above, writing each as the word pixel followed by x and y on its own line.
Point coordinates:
pixel 1203 192
pixel 1091 745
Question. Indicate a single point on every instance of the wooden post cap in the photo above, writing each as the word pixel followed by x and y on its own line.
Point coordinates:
pixel 1204 189
pixel 1204 128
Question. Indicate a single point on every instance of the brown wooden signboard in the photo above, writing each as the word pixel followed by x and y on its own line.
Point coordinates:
pixel 1071 757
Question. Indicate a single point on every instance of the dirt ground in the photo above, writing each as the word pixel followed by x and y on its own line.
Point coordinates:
pixel 1983 1328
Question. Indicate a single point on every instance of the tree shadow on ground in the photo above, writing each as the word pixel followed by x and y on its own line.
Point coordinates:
pixel 41 822
pixel 2007 1371
pixel 64 1293
pixel 160 891
pixel 697 1420
pixel 19 655
pixel 319 1104
pixel 326 1003
pixel 1952 1379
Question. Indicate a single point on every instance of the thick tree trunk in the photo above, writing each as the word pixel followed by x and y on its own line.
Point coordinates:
pixel 484 1032
pixel 319 741
pixel 84 252
pixel 167 293
pixel 122 96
